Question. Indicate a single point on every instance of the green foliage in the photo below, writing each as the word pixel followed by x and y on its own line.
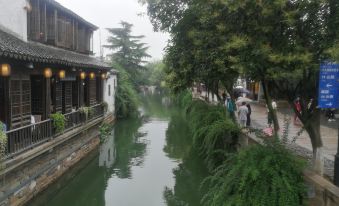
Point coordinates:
pixel 129 52
pixel 58 122
pixel 126 98
pixel 153 75
pixel 183 99
pixel 171 199
pixel 104 131
pixel 214 133
pixel 278 42
pixel 87 111
pixel 260 175
pixel 105 105
pixel 3 142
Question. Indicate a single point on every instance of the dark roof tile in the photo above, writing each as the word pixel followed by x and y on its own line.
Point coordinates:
pixel 13 47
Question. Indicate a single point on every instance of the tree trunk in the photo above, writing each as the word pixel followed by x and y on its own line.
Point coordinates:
pixel 269 106
pixel 312 127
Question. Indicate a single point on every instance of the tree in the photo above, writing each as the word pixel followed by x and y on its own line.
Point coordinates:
pixel 197 51
pixel 285 44
pixel 153 74
pixel 126 99
pixel 129 51
pixel 278 42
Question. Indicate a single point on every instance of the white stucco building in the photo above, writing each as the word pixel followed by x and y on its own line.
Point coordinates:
pixel 110 86
pixel 13 19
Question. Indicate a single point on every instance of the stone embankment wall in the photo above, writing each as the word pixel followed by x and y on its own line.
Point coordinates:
pixel 31 172
pixel 321 192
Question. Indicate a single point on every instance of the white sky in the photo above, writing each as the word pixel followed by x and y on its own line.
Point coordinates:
pixel 108 14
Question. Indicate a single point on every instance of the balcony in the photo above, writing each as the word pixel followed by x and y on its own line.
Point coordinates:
pixel 50 23
pixel 30 136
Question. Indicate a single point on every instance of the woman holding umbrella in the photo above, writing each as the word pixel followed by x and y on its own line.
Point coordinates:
pixel 247 102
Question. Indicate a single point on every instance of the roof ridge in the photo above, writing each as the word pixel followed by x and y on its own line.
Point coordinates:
pixel 13 47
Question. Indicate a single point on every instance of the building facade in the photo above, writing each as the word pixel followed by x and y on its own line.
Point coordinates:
pixel 110 86
pixel 45 61
pixel 47 67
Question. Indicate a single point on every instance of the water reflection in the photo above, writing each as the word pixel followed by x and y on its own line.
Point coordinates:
pixel 107 152
pixel 191 172
pixel 141 158
pixel 157 106
pixel 131 148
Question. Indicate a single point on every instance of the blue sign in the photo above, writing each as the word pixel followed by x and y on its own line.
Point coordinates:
pixel 328 96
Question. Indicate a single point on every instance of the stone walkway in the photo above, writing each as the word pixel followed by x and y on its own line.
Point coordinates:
pixel 302 145
pixel 329 134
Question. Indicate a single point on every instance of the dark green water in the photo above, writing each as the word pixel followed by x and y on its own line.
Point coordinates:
pixel 145 162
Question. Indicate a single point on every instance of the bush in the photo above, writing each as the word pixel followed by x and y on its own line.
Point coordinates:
pixel 261 175
pixel 105 105
pixel 87 111
pixel 104 131
pixel 214 133
pixel 126 98
pixel 3 142
pixel 58 122
pixel 183 98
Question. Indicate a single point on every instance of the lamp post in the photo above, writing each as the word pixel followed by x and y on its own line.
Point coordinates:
pixel 336 161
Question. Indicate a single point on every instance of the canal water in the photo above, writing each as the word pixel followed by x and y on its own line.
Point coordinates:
pixel 146 161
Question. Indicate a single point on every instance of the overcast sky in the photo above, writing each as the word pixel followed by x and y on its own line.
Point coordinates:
pixel 108 14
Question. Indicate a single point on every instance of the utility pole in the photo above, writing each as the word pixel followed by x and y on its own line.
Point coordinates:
pixel 336 164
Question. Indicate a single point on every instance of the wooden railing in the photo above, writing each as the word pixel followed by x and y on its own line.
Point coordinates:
pixel 27 137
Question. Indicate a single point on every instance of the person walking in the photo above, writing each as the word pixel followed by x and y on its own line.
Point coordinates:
pixel 297 106
pixel 270 114
pixel 242 113
pixel 248 122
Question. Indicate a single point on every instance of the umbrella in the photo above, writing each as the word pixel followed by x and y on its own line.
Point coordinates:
pixel 241 90
pixel 243 99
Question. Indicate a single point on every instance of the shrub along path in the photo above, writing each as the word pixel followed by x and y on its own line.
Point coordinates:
pixel 302 145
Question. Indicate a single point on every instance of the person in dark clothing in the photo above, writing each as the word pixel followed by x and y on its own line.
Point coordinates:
pixel 248 123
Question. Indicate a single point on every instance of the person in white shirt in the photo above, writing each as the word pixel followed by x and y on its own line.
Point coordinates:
pixel 269 115
pixel 242 113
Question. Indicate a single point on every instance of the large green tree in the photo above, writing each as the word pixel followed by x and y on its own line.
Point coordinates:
pixel 278 42
pixel 128 50
pixel 285 43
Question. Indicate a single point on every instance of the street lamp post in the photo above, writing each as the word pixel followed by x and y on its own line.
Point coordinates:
pixel 336 164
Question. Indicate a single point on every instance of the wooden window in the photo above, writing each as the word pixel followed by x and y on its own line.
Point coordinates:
pixel 20 102
pixel 92 92
pixel 66 97
pixel 37 95
pixel 57 96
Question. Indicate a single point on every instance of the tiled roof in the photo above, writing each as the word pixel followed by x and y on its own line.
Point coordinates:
pixel 13 47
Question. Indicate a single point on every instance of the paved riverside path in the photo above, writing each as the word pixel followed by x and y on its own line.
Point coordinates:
pixel 329 131
pixel 302 145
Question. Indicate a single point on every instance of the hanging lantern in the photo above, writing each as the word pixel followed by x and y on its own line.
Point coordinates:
pixel 103 75
pixel 82 75
pixel 92 75
pixel 5 70
pixel 62 74
pixel 48 72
